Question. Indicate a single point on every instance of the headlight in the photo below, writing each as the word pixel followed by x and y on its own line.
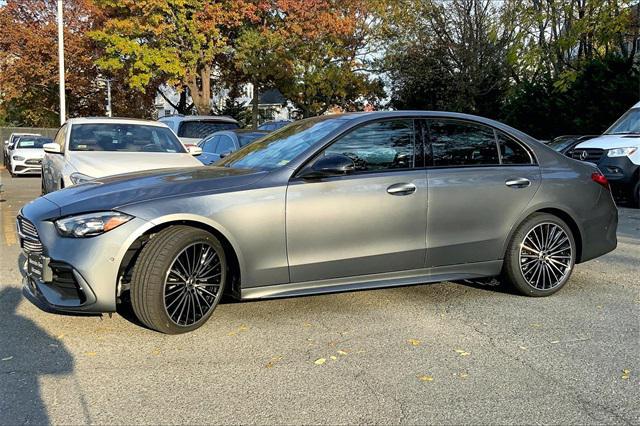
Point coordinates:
pixel 77 178
pixel 622 152
pixel 90 224
pixel 18 158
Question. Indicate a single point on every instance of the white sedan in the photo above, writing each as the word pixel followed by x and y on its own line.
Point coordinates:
pixel 25 155
pixel 88 148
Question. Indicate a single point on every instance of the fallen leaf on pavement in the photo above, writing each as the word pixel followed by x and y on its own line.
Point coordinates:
pixel 425 378
pixel 462 352
pixel 320 361
pixel 625 374
pixel 342 353
pixel 273 361
pixel 414 342
pixel 59 336
pixel 90 353
pixel 333 357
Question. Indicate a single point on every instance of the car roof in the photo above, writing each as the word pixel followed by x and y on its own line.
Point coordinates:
pixel 114 120
pixel 224 118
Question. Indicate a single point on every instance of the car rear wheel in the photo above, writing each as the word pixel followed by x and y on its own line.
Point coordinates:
pixel 541 255
pixel 178 279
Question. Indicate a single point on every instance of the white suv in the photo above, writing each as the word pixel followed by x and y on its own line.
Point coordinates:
pixel 617 154
pixel 88 148
pixel 191 129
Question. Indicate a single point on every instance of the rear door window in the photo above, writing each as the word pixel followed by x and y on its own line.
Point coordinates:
pixel 459 143
pixel 512 152
pixel 200 129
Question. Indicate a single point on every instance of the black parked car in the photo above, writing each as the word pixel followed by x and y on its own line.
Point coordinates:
pixel 218 144
pixel 565 144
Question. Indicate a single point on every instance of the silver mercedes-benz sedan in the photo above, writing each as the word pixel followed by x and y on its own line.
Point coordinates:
pixel 326 204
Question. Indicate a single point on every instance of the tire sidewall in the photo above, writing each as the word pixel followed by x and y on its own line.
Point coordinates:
pixel 514 274
pixel 154 284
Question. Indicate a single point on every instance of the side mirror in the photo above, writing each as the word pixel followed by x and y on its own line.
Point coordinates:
pixel 194 150
pixel 10 147
pixel 6 142
pixel 331 165
pixel 52 148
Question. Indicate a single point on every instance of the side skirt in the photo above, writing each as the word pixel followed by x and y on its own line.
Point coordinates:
pixel 365 282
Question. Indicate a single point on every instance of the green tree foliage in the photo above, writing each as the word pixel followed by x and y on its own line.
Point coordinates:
pixel 546 66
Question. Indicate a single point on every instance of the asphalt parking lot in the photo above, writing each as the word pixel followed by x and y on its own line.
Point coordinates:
pixel 441 353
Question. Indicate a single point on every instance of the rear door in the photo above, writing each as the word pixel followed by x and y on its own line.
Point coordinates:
pixel 371 221
pixel 480 180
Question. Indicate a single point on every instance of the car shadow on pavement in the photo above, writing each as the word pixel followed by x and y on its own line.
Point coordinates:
pixel 27 354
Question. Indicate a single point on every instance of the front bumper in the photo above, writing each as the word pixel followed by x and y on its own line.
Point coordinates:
pixel 25 167
pixel 78 274
pixel 618 170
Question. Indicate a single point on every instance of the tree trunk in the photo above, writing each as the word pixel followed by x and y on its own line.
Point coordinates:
pixel 201 93
pixel 255 107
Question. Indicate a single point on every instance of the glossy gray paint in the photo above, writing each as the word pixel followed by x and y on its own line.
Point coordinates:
pixel 293 236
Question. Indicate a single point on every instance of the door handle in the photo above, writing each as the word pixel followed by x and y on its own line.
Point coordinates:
pixel 518 183
pixel 401 189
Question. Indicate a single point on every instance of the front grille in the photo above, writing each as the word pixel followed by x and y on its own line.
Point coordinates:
pixel 34 161
pixel 592 155
pixel 29 238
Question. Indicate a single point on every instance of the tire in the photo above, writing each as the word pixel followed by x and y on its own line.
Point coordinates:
pixel 636 195
pixel 158 298
pixel 540 256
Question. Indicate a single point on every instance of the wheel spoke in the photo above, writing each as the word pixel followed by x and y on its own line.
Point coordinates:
pixel 189 294
pixel 546 255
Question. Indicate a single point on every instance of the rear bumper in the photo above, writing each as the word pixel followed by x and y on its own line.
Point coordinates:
pixel 599 230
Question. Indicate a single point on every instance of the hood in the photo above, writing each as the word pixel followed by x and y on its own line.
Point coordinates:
pixel 119 191
pixel 610 142
pixel 103 163
pixel 28 152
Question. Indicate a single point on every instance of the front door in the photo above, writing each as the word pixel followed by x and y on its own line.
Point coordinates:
pixel 371 221
pixel 480 181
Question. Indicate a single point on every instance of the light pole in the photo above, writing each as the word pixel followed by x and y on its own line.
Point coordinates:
pixel 108 81
pixel 63 107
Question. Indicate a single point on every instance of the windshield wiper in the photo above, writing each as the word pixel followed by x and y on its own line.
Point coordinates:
pixel 624 133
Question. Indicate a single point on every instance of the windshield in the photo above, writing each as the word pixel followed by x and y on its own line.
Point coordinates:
pixel 200 129
pixel 27 142
pixel 123 138
pixel 629 123
pixel 279 148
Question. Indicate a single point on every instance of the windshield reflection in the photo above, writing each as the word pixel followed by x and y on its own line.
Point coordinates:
pixel 279 148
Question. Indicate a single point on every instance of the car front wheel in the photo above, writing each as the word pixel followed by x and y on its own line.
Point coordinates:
pixel 178 279
pixel 541 255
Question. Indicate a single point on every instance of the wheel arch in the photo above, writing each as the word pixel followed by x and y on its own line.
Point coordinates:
pixel 232 253
pixel 555 211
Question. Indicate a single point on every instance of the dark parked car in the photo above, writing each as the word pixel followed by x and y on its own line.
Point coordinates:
pixel 219 144
pixel 274 125
pixel 565 144
pixel 327 204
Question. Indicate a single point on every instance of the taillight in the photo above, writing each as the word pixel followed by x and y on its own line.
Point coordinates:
pixel 600 179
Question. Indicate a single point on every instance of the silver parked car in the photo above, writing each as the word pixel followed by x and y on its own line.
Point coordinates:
pixel 95 147
pixel 332 203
